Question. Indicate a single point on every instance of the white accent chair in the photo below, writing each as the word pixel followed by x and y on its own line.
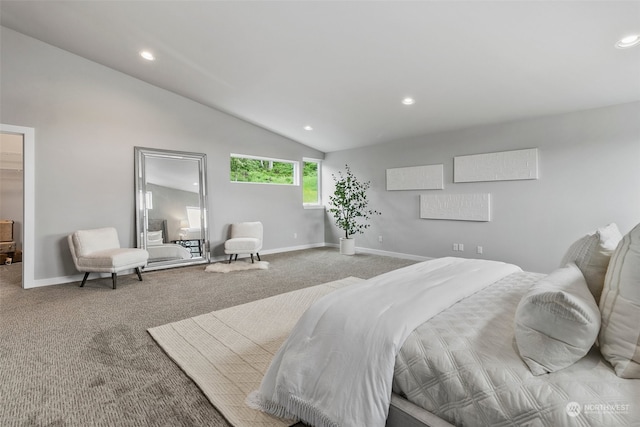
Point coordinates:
pixel 246 238
pixel 99 251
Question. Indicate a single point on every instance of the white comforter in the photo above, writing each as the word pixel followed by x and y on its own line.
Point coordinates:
pixel 336 367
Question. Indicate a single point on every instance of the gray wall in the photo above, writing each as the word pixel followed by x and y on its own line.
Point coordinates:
pixel 589 177
pixel 88 118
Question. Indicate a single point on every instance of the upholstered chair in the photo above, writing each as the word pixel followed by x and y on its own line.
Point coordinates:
pixel 246 238
pixel 99 251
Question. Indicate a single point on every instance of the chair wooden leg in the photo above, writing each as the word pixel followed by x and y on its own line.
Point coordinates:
pixel 84 280
pixel 251 258
pixel 139 273
pixel 258 255
pixel 236 258
pixel 113 278
pixel 230 258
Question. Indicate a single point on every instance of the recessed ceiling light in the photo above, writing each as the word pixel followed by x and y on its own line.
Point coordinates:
pixel 628 41
pixel 147 55
pixel 308 127
pixel 408 101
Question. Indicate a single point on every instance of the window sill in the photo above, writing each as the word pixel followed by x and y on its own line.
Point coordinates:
pixel 313 206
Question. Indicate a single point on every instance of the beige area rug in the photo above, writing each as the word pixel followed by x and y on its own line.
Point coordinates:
pixel 225 267
pixel 227 352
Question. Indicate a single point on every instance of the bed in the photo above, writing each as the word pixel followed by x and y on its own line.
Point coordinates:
pixel 158 245
pixel 483 360
pixel 463 365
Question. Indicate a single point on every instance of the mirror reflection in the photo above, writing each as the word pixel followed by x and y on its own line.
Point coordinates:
pixel 171 217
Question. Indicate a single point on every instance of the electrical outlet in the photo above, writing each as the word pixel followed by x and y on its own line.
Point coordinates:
pixel 479 249
pixel 295 235
pixel 379 239
pixel 455 247
pixel 461 247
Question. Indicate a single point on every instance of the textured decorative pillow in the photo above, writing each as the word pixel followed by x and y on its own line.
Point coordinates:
pixel 591 254
pixel 154 238
pixel 557 321
pixel 620 307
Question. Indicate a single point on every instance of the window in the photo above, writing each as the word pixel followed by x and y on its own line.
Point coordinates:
pixel 193 215
pixel 149 199
pixel 263 170
pixel 311 179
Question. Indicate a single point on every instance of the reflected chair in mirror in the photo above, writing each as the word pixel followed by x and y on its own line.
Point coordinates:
pixel 99 251
pixel 246 238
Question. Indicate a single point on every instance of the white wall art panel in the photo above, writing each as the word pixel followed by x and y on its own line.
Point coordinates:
pixel 502 166
pixel 429 177
pixel 459 207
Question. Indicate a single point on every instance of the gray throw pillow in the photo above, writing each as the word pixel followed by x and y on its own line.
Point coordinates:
pixel 620 306
pixel 591 254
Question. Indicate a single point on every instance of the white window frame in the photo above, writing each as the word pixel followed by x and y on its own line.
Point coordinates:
pixel 296 169
pixel 318 203
pixel 148 197
pixel 194 217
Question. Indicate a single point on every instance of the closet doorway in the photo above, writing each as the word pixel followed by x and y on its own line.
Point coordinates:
pixel 17 196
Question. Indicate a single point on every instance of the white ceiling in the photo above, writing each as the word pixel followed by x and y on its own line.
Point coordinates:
pixel 344 66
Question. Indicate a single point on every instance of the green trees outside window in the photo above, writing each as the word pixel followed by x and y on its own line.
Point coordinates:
pixel 311 182
pixel 262 170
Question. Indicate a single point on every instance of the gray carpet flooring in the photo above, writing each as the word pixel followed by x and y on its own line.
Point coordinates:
pixel 73 356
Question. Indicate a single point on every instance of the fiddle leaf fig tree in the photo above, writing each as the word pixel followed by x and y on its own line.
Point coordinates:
pixel 348 204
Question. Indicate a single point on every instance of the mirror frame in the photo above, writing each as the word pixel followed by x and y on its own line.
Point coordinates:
pixel 141 155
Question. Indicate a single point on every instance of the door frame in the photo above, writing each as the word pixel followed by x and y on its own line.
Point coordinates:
pixel 28 200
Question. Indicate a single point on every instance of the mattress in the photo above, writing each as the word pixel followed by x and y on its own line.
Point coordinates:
pixel 463 366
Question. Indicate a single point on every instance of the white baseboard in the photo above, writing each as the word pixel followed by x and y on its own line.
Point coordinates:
pixel 272 251
pixel 384 253
pixel 295 248
pixel 38 283
pixel 78 277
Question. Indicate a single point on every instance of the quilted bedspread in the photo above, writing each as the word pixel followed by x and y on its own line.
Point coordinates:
pixel 463 366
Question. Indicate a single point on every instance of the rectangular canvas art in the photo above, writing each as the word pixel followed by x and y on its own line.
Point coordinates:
pixel 501 166
pixel 458 207
pixel 429 177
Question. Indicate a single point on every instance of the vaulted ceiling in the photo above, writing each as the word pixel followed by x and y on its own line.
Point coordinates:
pixel 343 67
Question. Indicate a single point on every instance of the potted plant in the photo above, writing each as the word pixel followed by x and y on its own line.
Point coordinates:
pixel 348 205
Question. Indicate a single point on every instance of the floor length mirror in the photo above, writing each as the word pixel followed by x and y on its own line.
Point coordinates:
pixel 171 207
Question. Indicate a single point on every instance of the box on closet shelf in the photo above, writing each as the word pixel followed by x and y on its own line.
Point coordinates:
pixel 6 230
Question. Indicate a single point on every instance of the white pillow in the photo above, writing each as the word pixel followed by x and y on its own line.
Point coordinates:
pixel 620 307
pixel 591 254
pixel 154 238
pixel 557 321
